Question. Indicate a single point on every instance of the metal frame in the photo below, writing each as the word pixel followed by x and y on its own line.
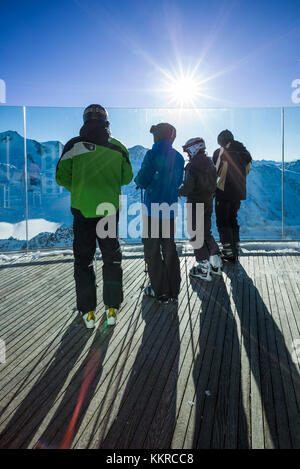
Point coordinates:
pixel 141 244
pixel 282 171
pixel 25 175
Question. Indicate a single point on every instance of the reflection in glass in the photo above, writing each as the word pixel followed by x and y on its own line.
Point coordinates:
pixel 292 173
pixel 48 130
pixel 12 179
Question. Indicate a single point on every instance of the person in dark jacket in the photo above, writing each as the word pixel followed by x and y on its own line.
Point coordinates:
pixel 93 167
pixel 161 175
pixel 233 163
pixel 199 187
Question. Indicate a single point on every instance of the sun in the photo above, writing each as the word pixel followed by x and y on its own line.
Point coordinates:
pixel 183 90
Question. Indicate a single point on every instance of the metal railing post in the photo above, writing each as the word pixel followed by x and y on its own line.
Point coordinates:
pixel 282 171
pixel 25 176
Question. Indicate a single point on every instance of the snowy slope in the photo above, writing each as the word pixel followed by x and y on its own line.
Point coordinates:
pixel 18 230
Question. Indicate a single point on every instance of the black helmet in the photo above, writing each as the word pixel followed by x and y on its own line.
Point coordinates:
pixel 163 131
pixel 225 137
pixel 96 112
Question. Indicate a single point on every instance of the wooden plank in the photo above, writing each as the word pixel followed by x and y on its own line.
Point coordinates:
pixel 56 321
pixel 244 434
pixel 205 360
pixel 113 406
pixel 149 360
pixel 203 354
pixel 225 425
pixel 214 421
pixel 47 323
pixel 28 289
pixel 26 312
pixel 158 433
pixel 68 406
pixel 289 372
pixel 196 309
pixel 71 336
pixel 233 408
pixel 267 392
pixel 270 306
pixel 185 430
pixel 257 426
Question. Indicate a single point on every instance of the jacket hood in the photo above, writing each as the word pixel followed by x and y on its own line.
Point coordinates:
pixel 200 161
pixel 235 145
pixel 164 144
pixel 95 132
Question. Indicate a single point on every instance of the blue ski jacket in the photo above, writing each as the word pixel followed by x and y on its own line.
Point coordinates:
pixel 161 174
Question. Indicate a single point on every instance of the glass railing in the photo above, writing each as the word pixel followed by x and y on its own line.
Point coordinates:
pixel 35 211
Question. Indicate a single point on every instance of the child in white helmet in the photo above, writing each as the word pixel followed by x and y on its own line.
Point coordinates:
pixel 199 187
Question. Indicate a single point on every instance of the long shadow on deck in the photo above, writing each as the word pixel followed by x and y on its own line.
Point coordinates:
pixel 275 374
pixel 269 414
pixel 20 430
pixel 147 413
pixel 220 419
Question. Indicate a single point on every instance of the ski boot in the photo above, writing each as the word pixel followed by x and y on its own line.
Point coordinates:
pixel 163 299
pixel 149 291
pixel 227 254
pixel 202 270
pixel 216 264
pixel 173 300
pixel 111 315
pixel 89 319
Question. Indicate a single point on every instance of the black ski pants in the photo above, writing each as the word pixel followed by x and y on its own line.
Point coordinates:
pixel 227 224
pixel 210 247
pixel 162 259
pixel 84 247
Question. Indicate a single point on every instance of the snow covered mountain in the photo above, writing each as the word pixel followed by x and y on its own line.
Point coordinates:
pixel 260 214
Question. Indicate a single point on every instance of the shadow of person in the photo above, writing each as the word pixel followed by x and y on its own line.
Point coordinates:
pixel 65 423
pixel 219 418
pixel 147 414
pixel 35 407
pixel 275 381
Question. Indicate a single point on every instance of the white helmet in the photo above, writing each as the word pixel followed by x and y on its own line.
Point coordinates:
pixel 193 146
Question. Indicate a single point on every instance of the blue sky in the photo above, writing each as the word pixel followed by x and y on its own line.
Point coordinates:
pixel 72 52
pixel 117 53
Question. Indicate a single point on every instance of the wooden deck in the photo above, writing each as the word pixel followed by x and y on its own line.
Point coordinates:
pixel 219 371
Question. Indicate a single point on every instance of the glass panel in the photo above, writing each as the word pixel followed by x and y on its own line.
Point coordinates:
pixel 48 129
pixel 12 179
pixel 50 218
pixel 258 129
pixel 292 173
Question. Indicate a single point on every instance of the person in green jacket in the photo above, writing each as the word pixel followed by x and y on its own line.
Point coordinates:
pixel 93 167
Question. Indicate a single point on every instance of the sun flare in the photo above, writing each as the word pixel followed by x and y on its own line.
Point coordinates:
pixel 183 90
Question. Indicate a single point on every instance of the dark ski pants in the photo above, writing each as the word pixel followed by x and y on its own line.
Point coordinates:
pixel 210 247
pixel 84 247
pixel 226 218
pixel 162 260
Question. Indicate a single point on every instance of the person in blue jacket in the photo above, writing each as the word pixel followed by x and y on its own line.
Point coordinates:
pixel 161 175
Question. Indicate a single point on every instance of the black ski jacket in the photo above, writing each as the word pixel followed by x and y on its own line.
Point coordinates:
pixel 233 165
pixel 200 179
